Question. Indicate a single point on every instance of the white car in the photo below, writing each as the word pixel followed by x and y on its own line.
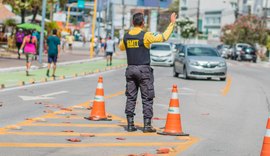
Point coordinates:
pixel 162 54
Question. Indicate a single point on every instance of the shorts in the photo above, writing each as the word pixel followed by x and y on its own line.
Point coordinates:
pixel 18 45
pixel 52 58
pixel 29 57
pixel 109 53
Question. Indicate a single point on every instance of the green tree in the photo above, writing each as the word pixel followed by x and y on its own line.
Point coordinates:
pixel 51 7
pixel 63 3
pixel 248 29
pixel 20 6
pixel 187 28
pixel 50 26
pixel 174 7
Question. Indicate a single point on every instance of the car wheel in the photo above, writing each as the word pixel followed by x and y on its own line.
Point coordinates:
pixel 254 61
pixel 175 74
pixel 185 73
pixel 223 79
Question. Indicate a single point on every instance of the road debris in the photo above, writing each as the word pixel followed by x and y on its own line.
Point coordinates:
pixel 74 140
pixel 121 138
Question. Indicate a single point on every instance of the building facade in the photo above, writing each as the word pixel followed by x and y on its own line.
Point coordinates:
pixel 211 19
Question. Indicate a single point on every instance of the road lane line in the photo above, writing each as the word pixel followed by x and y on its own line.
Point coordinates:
pixel 179 146
pixel 67 125
pixel 63 145
pixel 227 87
pixel 190 141
pixel 76 134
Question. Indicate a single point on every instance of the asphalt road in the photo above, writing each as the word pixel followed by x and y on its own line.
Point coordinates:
pixel 222 118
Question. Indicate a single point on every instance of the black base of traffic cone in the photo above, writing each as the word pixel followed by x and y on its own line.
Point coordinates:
pixel 173 134
pixel 97 119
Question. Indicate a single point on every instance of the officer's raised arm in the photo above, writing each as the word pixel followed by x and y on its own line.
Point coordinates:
pixel 151 37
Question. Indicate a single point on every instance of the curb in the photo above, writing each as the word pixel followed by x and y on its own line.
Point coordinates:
pixel 63 77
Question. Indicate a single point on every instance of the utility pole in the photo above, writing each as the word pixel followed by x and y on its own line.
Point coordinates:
pixel 179 16
pixel 265 14
pixel 44 2
pixel 112 28
pixel 108 17
pixel 198 16
pixel 236 14
pixel 99 15
pixel 122 31
pixel 93 29
pixel 123 14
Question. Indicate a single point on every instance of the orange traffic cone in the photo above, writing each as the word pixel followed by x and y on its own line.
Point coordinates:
pixel 98 109
pixel 266 141
pixel 173 122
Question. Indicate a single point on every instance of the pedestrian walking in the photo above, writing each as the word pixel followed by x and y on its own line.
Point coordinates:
pixel 37 35
pixel 19 40
pixel 53 44
pixel 63 42
pixel 139 74
pixel 29 46
pixel 102 46
pixel 70 39
pixel 110 49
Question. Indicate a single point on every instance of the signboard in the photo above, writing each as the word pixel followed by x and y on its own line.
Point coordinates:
pixel 81 4
pixel 59 17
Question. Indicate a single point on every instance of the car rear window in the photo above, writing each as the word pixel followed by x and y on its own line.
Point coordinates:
pixel 201 51
pixel 249 49
pixel 160 47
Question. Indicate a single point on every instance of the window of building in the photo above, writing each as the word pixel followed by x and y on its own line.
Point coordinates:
pixel 184 3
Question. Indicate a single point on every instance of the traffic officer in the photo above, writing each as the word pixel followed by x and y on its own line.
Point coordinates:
pixel 139 74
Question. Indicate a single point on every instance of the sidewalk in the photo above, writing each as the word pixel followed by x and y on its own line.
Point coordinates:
pixel 12 70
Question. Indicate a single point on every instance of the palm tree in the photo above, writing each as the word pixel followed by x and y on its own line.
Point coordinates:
pixel 63 3
pixel 35 8
pixel 51 4
pixel 20 6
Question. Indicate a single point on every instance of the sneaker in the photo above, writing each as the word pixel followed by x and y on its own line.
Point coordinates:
pixel 53 76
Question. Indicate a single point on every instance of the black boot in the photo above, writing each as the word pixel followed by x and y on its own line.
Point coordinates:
pixel 130 126
pixel 148 127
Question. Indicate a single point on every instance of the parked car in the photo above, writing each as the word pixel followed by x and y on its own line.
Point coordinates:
pixel 178 46
pixel 162 54
pixel 237 49
pixel 248 54
pixel 224 51
pixel 199 61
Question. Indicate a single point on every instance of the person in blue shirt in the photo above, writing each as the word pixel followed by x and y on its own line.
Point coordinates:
pixel 53 46
pixel 37 35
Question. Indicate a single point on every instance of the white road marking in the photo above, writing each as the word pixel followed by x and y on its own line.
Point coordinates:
pixel 42 97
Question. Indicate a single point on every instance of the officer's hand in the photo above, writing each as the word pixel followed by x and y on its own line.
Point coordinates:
pixel 173 17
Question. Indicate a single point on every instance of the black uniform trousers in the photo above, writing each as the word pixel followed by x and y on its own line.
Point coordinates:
pixel 139 76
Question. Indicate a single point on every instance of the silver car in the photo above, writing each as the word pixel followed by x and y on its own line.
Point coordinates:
pixel 162 54
pixel 199 61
